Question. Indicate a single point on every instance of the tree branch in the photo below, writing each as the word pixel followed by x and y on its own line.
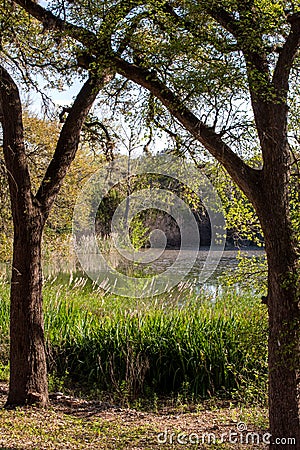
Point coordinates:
pixel 101 42
pixel 109 145
pixel 242 29
pixel 129 32
pixel 287 55
pixel 13 141
pixel 254 54
pixel 50 21
pixel 219 15
pixel 68 141
pixel 242 174
pixel 225 19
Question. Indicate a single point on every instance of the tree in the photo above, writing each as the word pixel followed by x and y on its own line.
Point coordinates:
pixel 201 60
pixel 28 371
pixel 41 135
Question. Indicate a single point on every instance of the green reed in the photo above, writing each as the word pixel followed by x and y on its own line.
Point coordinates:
pixel 178 342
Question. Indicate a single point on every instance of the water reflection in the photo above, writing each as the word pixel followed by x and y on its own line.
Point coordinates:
pixel 228 261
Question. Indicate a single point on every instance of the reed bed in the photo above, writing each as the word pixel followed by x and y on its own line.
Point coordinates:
pixel 178 343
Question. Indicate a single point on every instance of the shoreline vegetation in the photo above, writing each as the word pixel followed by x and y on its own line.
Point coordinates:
pixel 123 370
pixel 135 351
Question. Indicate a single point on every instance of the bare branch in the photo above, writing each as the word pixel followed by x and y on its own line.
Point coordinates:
pixel 109 145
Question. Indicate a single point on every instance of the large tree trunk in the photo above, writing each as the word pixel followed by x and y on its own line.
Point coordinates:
pixel 283 303
pixel 283 347
pixel 28 370
pixel 28 374
pixel 283 344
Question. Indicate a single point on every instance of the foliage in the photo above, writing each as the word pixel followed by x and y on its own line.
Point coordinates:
pixel 40 137
pixel 161 345
pixel 251 274
pixel 241 219
pixel 137 349
pixel 200 61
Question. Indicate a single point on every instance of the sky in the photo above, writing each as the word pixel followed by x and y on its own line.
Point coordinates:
pixel 59 98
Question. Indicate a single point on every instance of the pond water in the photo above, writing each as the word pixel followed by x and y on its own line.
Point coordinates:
pixel 199 269
pixel 228 260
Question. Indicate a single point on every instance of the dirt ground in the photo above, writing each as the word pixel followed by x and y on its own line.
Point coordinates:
pixel 74 423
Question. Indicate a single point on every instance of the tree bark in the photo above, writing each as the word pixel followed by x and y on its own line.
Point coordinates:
pixel 282 301
pixel 28 371
pixel 28 368
pixel 283 346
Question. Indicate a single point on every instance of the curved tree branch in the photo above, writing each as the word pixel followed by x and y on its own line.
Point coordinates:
pixel 287 56
pixel 68 141
pixel 246 177
pixel 50 21
pixel 243 174
pixel 13 140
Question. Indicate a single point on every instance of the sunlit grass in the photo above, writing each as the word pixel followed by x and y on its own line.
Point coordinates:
pixel 116 428
pixel 178 343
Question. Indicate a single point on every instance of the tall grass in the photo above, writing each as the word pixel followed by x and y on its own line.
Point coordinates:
pixel 168 344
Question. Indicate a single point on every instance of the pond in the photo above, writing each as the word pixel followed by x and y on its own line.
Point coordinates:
pixel 200 270
pixel 168 267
